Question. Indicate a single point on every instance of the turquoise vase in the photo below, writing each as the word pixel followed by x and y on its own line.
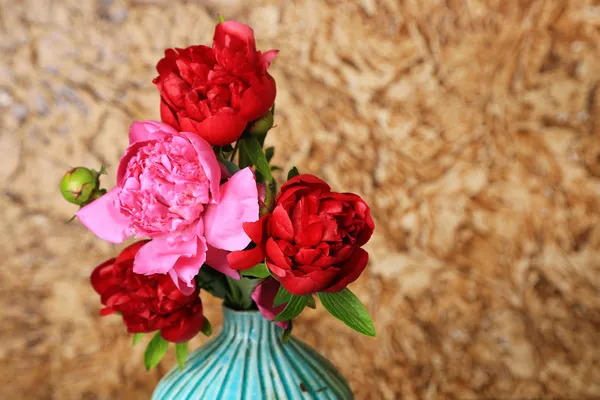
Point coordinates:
pixel 247 360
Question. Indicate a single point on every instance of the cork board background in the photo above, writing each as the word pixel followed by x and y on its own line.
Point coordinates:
pixel 470 126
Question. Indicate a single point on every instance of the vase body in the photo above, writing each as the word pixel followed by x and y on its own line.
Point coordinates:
pixel 247 360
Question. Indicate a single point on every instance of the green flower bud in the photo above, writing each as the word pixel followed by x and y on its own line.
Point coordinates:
pixel 80 186
pixel 262 125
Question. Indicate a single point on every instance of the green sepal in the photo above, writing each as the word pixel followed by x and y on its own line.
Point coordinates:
pixel 346 307
pixel 181 351
pixel 258 271
pixel 220 18
pixel 156 350
pixel 311 302
pixel 292 173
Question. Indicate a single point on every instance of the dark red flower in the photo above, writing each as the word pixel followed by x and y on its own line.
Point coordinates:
pixel 146 302
pixel 215 92
pixel 312 240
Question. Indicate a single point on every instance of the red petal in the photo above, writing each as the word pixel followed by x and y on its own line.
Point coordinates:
pixel 281 224
pixel 167 116
pixel 351 270
pixel 275 254
pixel 306 256
pixel 103 277
pixel 311 283
pixel 128 254
pixel 186 327
pixel 107 311
pixel 255 230
pixel 222 129
pixel 235 29
pixel 309 236
pixel 245 259
pixel 258 99
pixel 304 180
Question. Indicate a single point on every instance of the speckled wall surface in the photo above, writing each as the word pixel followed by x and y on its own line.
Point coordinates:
pixel 470 126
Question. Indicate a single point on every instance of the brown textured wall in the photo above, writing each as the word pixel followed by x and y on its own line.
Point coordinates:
pixel 470 126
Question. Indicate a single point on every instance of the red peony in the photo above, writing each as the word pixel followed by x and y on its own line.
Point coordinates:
pixel 147 302
pixel 215 92
pixel 312 240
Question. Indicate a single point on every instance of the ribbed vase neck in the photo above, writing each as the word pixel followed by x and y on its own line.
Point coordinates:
pixel 248 325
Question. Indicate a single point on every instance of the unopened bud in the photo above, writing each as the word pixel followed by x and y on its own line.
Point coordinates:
pixel 80 186
pixel 262 125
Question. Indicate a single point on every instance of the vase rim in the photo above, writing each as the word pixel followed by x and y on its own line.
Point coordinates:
pixel 241 312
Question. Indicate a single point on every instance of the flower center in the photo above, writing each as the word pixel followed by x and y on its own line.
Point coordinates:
pixel 165 187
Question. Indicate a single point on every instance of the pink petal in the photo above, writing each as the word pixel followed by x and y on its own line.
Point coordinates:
pixel 130 152
pixel 181 285
pixel 186 268
pixel 209 162
pixel 149 130
pixel 162 253
pixel 263 296
pixel 104 219
pixel 239 203
pixel 217 259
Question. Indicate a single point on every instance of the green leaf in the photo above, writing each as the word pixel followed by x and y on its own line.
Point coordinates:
pixel 311 302
pixel 258 271
pixel 276 168
pixel 293 309
pixel 282 296
pixel 136 338
pixel 206 328
pixel 250 146
pixel 269 153
pixel 293 172
pixel 346 307
pixel 287 333
pixel 156 350
pixel 243 159
pixel 212 281
pixel 181 351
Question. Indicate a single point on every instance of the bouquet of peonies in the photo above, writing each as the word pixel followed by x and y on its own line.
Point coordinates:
pixel 198 188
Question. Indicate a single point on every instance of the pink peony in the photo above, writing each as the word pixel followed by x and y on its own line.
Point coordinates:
pixel 168 189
